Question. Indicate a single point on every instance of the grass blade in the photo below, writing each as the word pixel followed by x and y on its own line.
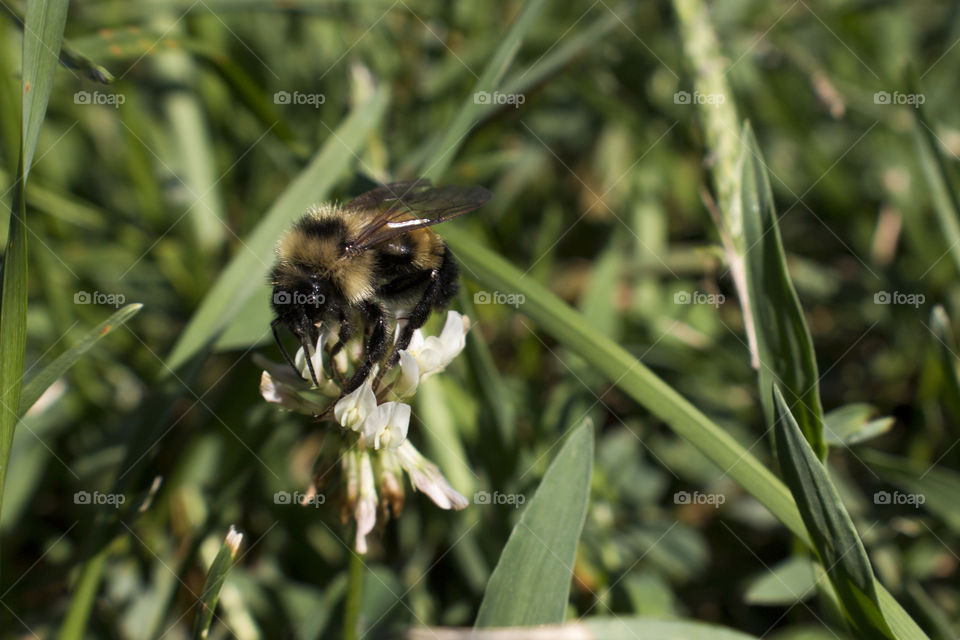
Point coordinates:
pixel 36 385
pixel 784 346
pixel 531 583
pixel 594 627
pixel 214 584
pixel 640 383
pixel 443 149
pixel 834 537
pixel 41 47
pixel 945 201
pixel 41 43
pixel 252 263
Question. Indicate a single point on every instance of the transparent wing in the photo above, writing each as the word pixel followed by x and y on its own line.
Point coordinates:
pixel 402 207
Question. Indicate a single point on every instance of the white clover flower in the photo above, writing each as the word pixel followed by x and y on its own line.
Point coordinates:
pixel 426 477
pixel 365 510
pixel 354 408
pixel 373 446
pixel 427 356
pixel 386 427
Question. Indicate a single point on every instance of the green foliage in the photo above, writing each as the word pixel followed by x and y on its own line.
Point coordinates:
pixel 645 258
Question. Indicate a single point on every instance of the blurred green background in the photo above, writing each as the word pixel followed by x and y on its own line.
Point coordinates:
pixel 145 189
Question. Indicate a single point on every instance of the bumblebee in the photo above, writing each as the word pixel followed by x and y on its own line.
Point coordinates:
pixel 368 262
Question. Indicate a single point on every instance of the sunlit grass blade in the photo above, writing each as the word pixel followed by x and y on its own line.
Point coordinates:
pixel 784 346
pixel 591 628
pixel 531 582
pixel 215 578
pixel 37 384
pixel 784 584
pixel 854 423
pixel 834 537
pixel 253 260
pixel 41 43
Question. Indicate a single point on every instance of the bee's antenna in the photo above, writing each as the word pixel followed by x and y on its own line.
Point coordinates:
pixel 283 349
pixel 305 339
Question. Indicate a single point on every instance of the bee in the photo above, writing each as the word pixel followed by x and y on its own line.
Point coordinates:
pixel 365 263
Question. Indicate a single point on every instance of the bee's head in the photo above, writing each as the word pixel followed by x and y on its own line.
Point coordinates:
pixel 302 299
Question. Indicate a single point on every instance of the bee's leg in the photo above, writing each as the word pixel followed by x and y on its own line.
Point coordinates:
pixel 347 331
pixel 283 349
pixel 441 288
pixel 376 345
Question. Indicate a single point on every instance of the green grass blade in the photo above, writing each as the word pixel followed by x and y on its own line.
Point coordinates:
pixel 531 583
pixel 947 350
pixel 444 148
pixel 41 49
pixel 41 44
pixel 784 345
pixel 636 380
pixel 215 578
pixel 834 537
pixel 945 201
pixel 37 384
pixel 254 259
pixel 641 384
pixel 13 329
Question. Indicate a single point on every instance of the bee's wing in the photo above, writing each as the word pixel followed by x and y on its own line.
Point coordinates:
pixel 386 193
pixel 400 212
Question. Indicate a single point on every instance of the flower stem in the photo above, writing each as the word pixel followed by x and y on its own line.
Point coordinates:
pixel 351 616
